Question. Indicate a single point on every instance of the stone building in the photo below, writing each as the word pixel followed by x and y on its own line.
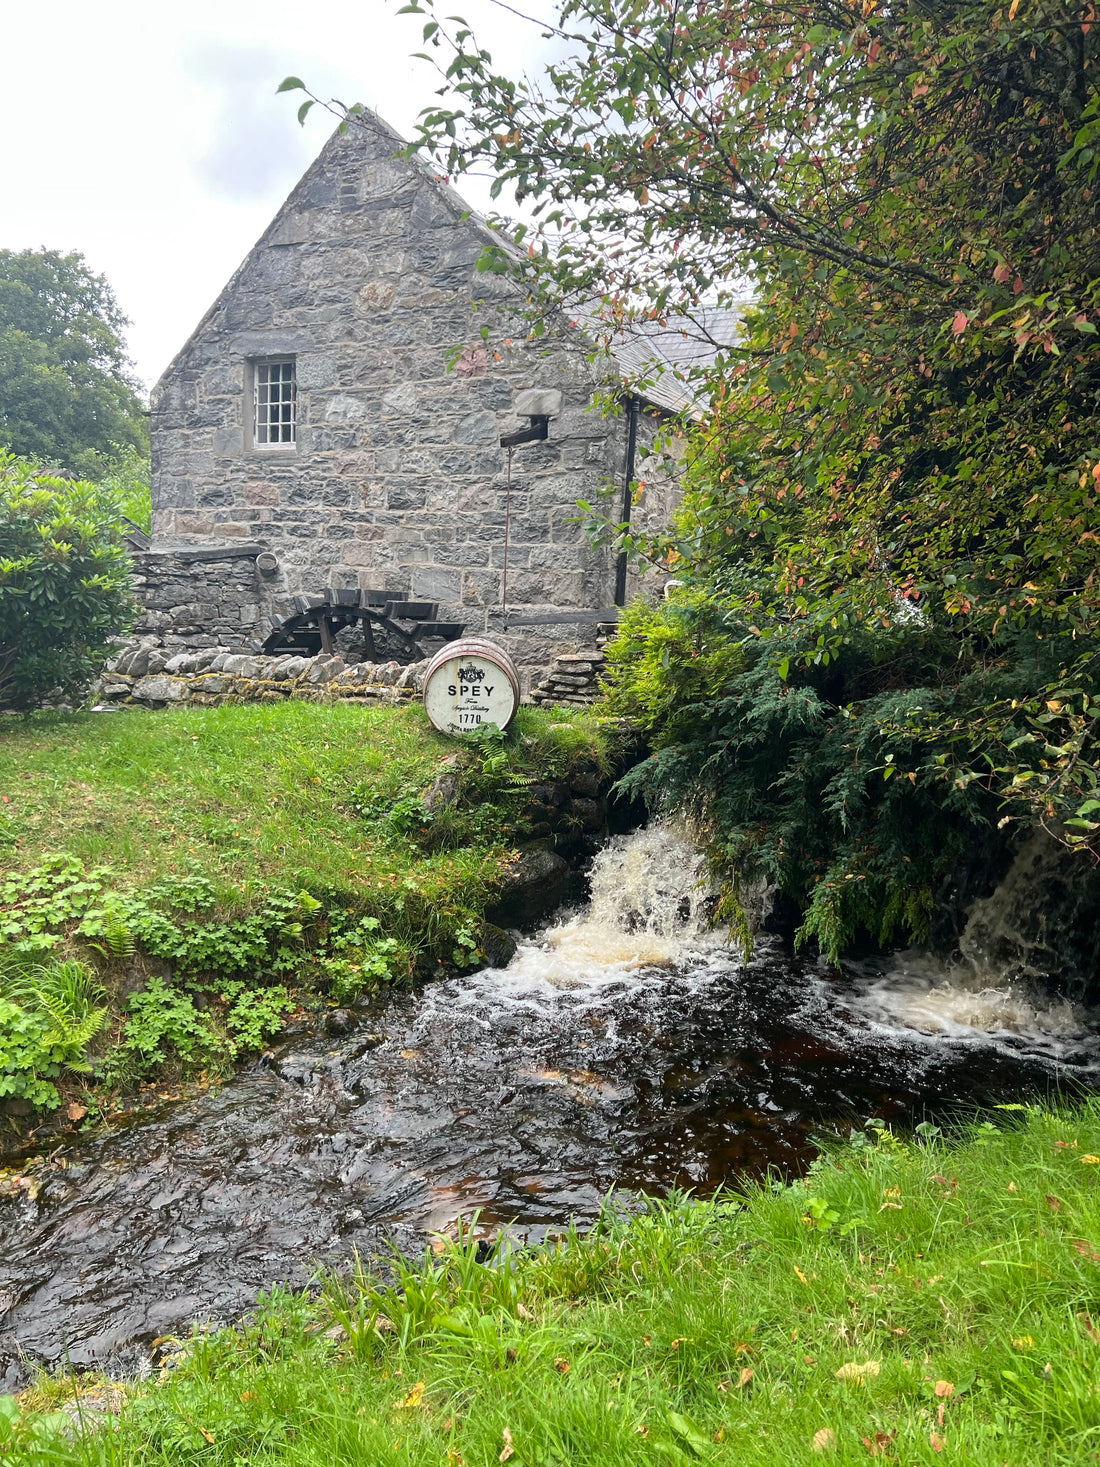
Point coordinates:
pixel 342 405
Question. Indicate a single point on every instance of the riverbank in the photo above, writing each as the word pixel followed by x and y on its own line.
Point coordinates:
pixel 909 1299
pixel 177 886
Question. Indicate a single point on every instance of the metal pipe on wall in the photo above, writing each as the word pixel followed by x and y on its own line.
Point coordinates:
pixel 628 495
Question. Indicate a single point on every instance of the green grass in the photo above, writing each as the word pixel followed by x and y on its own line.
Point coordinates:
pixel 916 1301
pixel 267 854
pixel 253 792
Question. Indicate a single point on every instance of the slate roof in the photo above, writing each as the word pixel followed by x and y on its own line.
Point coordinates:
pixel 657 357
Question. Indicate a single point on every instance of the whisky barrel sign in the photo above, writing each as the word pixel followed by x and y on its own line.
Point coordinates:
pixel 470 683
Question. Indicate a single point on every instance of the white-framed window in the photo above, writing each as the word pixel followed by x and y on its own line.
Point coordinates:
pixel 275 418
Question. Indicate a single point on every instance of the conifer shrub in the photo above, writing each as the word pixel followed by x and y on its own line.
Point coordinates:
pixel 859 783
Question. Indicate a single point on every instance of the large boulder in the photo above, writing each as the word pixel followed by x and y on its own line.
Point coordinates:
pixel 534 885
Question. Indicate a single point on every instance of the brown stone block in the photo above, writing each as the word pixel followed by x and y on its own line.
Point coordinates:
pixel 188 525
pixel 256 491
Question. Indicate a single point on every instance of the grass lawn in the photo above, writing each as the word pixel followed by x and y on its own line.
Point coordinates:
pixel 174 884
pixel 913 1301
pixel 290 792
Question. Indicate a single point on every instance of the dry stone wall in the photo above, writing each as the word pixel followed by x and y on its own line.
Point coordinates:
pixel 153 677
pixel 199 598
pixel 145 677
pixel 574 677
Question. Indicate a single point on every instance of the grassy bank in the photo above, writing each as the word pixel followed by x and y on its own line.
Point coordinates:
pixel 173 885
pixel 914 1301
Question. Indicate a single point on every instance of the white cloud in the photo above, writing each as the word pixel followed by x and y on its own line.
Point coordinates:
pixel 149 137
pixel 255 149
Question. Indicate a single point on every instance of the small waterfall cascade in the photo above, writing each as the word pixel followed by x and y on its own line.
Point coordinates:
pixel 1032 928
pixel 1028 963
pixel 651 905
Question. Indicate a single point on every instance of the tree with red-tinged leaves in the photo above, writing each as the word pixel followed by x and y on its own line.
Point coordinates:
pixel 893 500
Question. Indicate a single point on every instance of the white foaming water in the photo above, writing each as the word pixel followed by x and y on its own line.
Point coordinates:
pixel 1008 954
pixel 650 907
pixel 650 912
pixel 918 993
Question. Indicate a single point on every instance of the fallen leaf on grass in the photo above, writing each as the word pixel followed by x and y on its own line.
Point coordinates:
pixel 1089 1328
pixel 800 1274
pixel 209 1435
pixel 1066 1145
pixel 562 1365
pixel 944 1388
pixel 76 1112
pixel 1089 1160
pixel 1086 1250
pixel 824 1440
pixel 746 1376
pixel 936 1441
pixel 1054 1203
pixel 414 1398
pixel 508 1449
pixel 860 1373
pixel 879 1444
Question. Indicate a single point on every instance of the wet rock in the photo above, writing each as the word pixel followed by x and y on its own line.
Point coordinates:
pixel 364 1045
pixel 556 793
pixel 535 885
pixel 589 814
pixel 340 1022
pixel 587 784
pixel 498 946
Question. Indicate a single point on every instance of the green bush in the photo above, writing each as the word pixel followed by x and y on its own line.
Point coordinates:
pixel 128 483
pixel 848 781
pixel 64 583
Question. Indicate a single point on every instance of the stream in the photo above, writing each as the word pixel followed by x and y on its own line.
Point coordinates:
pixel 626 1046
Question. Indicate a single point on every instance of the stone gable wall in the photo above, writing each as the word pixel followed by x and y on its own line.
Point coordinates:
pixel 398 481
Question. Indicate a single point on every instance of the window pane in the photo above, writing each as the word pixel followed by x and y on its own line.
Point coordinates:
pixel 275 404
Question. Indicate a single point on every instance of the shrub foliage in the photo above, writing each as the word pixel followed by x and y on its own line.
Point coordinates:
pixel 64 582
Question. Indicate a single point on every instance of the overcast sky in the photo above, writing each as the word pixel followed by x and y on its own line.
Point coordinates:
pixel 149 136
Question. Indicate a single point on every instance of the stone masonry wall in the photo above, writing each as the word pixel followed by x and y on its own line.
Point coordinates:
pixel 368 279
pixel 192 601
pixel 149 677
pixel 144 677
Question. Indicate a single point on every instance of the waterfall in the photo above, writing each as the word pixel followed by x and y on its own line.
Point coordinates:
pixel 651 905
pixel 1030 929
pixel 1027 963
